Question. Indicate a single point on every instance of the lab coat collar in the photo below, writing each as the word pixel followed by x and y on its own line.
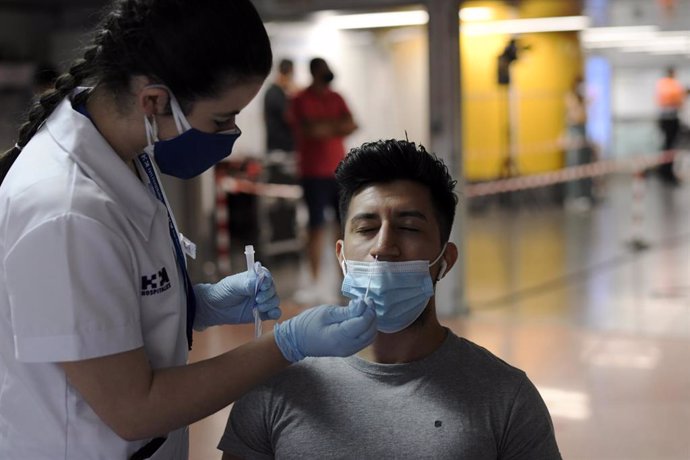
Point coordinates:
pixel 78 136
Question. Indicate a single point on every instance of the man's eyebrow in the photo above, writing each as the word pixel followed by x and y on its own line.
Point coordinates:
pixel 412 213
pixel 364 216
pixel 398 215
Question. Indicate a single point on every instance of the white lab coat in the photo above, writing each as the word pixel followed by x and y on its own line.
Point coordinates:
pixel 88 270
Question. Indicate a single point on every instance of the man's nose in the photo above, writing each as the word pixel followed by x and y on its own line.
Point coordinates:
pixel 385 246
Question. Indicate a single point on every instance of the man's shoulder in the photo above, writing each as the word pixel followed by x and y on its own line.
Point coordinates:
pixel 480 362
pixel 308 370
pixel 301 383
pixel 274 92
pixel 334 95
pixel 273 89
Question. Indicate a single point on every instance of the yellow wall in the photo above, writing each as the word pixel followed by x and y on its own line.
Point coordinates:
pixel 540 77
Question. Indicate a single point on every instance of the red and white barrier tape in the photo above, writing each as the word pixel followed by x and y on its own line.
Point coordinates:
pixel 222 228
pixel 234 185
pixel 226 185
pixel 568 174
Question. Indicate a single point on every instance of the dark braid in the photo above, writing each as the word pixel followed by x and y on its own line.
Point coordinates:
pixel 46 104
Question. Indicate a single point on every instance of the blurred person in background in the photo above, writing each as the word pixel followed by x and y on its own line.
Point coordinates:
pixel 578 148
pixel 279 136
pixel 321 120
pixel 670 97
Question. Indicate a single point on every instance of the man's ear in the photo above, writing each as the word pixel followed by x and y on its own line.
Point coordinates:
pixel 153 100
pixel 339 254
pixel 339 250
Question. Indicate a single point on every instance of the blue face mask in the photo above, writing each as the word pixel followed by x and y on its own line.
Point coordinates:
pixel 193 151
pixel 400 290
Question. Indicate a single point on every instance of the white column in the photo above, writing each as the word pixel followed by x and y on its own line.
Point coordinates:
pixel 446 133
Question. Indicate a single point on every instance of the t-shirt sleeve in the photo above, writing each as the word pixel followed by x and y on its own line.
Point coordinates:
pixel 529 433
pixel 72 292
pixel 247 433
pixel 343 109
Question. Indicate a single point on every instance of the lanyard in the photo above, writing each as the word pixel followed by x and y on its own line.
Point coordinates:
pixel 145 165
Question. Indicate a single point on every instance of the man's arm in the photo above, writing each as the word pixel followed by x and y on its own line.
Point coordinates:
pixel 529 433
pixel 138 402
pixel 248 432
pixel 345 126
pixel 321 129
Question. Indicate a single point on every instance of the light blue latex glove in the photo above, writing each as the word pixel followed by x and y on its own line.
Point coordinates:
pixel 232 299
pixel 327 330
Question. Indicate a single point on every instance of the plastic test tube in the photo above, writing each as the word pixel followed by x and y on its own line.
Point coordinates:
pixel 249 254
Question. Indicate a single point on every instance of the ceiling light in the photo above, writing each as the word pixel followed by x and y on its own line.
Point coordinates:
pixel 647 40
pixel 526 26
pixel 375 20
pixel 481 27
pixel 478 13
pixel 603 37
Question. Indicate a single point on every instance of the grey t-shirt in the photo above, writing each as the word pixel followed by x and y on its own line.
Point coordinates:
pixel 460 402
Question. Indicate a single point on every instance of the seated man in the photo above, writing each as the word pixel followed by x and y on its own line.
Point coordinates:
pixel 423 392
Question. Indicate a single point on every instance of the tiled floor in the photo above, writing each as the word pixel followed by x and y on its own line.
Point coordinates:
pixel 602 330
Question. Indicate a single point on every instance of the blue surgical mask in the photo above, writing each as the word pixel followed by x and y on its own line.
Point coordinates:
pixel 400 290
pixel 193 151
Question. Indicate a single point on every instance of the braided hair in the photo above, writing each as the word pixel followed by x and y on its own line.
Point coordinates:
pixel 195 47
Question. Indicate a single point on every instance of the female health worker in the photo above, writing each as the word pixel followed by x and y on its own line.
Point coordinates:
pixel 96 308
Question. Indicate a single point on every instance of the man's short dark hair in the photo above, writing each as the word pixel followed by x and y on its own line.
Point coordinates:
pixel 386 161
pixel 316 63
pixel 285 66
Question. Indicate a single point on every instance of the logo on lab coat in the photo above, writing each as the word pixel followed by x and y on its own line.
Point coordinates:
pixel 156 283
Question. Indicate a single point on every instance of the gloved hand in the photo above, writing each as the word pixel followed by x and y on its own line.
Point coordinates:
pixel 327 330
pixel 232 299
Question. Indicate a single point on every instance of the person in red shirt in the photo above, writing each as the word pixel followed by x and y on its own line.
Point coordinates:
pixel 321 120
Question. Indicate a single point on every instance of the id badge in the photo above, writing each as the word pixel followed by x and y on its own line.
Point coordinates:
pixel 188 246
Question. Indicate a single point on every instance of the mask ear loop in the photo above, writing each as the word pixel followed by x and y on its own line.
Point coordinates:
pixel 443 250
pixel 181 122
pixel 443 265
pixel 151 130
